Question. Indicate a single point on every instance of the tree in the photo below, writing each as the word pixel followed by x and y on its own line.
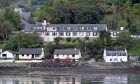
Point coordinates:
pixel 124 40
pixel 23 40
pixel 5 29
pixel 105 38
pixel 12 16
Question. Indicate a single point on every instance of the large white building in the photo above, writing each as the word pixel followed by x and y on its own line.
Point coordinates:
pixel 115 55
pixel 50 31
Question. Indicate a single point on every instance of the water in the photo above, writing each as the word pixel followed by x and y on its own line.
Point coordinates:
pixel 72 79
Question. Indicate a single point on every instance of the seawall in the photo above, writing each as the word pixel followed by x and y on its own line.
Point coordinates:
pixel 68 68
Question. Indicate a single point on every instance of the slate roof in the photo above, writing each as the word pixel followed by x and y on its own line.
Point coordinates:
pixel 36 51
pixel 68 27
pixel 79 27
pixel 11 51
pixel 116 53
pixel 66 51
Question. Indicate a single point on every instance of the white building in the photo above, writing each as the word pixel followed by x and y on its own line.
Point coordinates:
pixel 63 54
pixel 50 31
pixel 31 53
pixel 7 55
pixel 115 56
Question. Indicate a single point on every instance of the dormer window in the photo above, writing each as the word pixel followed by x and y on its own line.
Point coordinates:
pixel 82 28
pixel 95 28
pixel 53 28
pixel 75 28
pixel 61 28
pixel 68 28
pixel 88 28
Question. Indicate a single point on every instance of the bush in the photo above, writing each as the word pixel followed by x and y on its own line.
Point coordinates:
pixel 68 39
pixel 57 60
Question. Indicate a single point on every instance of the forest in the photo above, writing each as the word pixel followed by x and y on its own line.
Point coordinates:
pixel 115 13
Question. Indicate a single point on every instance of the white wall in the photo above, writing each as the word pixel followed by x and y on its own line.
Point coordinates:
pixel 51 37
pixel 9 55
pixel 28 57
pixel 119 59
pixel 68 56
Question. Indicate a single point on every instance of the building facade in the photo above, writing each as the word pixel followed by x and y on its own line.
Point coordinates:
pixel 63 54
pixel 115 56
pixel 31 53
pixel 7 56
pixel 50 31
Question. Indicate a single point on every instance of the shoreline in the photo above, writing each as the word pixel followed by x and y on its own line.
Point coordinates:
pixel 84 68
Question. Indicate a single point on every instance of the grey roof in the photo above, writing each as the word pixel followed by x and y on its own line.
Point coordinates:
pixel 79 27
pixel 30 27
pixel 25 15
pixel 37 51
pixel 13 52
pixel 67 27
pixel 116 53
pixel 66 51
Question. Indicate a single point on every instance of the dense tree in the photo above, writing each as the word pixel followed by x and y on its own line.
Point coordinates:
pixel 12 16
pixel 124 40
pixel 23 40
pixel 105 38
pixel 5 29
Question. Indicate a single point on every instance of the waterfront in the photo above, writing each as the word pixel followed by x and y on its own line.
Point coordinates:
pixel 100 78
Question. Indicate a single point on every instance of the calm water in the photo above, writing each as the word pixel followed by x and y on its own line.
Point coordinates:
pixel 74 79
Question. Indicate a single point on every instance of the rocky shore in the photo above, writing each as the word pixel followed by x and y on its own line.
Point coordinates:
pixel 67 68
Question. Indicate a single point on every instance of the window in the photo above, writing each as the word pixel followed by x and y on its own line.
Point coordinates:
pixel 114 34
pixel 53 28
pixel 22 55
pixel 110 59
pixel 73 55
pixel 74 33
pixel 67 33
pixel 94 34
pixel 54 34
pixel 47 33
pixel 27 55
pixel 88 28
pixel 57 55
pixel 95 28
pixel 88 34
pixel 61 28
pixel 81 33
pixel 68 55
pixel 4 55
pixel 36 55
pixel 115 59
pixel 61 34
pixel 75 28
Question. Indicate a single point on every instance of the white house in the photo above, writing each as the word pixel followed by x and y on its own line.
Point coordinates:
pixel 115 55
pixel 8 55
pixel 31 53
pixel 63 54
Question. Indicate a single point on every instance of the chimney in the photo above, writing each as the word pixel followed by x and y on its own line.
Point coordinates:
pixel 122 28
pixel 0 50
